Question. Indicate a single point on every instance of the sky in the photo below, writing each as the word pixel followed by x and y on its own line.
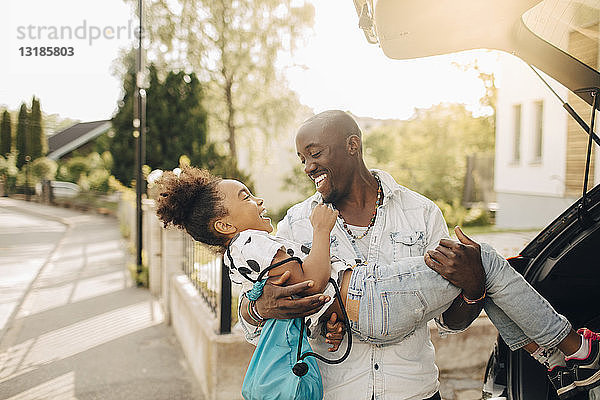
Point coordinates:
pixel 334 66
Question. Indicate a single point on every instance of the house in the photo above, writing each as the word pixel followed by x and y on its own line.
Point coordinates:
pixel 79 137
pixel 540 149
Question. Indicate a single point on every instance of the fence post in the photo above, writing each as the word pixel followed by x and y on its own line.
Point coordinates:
pixel 172 263
pixel 225 302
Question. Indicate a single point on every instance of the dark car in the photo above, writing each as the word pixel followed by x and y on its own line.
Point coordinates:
pixel 563 261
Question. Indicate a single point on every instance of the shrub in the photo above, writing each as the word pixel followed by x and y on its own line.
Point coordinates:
pixel 478 216
pixel 43 169
pixel 8 166
pixel 99 180
pixel 72 169
pixel 456 214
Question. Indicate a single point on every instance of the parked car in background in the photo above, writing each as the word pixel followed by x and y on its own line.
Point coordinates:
pixel 562 262
pixel 61 189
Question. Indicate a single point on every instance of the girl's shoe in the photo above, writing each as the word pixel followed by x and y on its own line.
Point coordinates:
pixel 562 380
pixel 586 371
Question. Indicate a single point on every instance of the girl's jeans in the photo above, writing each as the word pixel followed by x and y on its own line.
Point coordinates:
pixel 391 301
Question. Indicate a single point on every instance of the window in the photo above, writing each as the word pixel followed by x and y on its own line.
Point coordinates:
pixel 538 130
pixel 517 133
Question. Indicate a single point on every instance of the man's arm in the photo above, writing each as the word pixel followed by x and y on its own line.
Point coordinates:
pixel 460 314
pixel 276 300
pixel 460 264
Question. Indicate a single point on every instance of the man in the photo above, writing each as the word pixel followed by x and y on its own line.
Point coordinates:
pixel 380 222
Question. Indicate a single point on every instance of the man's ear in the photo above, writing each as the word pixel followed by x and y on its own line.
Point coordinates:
pixel 224 227
pixel 353 144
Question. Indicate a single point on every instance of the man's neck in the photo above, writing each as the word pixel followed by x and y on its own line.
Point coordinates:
pixel 357 206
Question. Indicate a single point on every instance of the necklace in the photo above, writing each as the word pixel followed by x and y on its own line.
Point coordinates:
pixel 372 222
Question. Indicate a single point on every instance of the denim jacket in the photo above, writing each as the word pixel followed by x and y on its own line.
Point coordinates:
pixel 407 224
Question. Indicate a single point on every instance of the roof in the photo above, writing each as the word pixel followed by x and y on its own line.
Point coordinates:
pixel 74 137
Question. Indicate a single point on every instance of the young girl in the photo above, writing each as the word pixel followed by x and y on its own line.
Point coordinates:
pixel 385 304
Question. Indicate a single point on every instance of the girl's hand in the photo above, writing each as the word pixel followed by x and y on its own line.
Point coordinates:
pixel 335 332
pixel 323 218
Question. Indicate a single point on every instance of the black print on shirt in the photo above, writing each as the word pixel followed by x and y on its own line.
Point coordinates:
pixel 244 272
pixel 254 265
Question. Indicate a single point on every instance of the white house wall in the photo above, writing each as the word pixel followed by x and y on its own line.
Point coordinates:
pixel 521 86
pixel 530 192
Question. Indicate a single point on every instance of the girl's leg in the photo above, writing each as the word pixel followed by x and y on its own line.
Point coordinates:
pixel 519 312
pixel 386 303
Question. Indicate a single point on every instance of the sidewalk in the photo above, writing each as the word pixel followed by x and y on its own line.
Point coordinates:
pixel 72 325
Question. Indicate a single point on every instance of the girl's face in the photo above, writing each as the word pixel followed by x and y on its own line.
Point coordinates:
pixel 245 210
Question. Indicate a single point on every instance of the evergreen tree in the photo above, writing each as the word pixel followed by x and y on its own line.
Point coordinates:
pixel 176 126
pixel 22 136
pixel 39 144
pixel 5 134
pixel 122 145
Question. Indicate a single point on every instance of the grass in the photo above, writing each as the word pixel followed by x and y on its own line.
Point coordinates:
pixel 141 279
pixel 88 200
pixel 478 230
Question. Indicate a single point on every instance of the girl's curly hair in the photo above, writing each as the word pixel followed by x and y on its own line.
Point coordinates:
pixel 191 201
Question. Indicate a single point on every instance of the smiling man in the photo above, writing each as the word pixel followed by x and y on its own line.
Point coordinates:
pixel 379 222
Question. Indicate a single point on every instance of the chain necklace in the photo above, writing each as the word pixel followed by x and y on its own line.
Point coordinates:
pixel 372 222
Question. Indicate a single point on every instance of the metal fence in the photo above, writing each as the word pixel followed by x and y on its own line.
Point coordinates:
pixel 211 278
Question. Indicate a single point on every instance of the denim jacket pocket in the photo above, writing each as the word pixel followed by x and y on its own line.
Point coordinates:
pixel 407 244
pixel 402 312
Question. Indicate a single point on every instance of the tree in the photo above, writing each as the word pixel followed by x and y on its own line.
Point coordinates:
pixel 427 152
pixel 234 46
pixel 22 138
pixel 122 145
pixel 488 80
pixel 176 126
pixel 176 120
pixel 5 134
pixel 39 144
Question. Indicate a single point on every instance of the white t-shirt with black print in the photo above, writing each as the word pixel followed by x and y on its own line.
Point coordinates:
pixel 252 251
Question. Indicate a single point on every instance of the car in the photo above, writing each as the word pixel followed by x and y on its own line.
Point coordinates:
pixel 61 189
pixel 561 261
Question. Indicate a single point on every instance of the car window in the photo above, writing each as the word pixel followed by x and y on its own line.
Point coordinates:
pixel 570 25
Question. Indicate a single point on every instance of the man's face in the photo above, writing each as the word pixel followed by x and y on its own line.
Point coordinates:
pixel 325 160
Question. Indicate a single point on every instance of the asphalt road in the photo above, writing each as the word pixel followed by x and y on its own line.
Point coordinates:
pixel 72 325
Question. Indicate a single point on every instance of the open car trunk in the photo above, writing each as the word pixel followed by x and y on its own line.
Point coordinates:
pixel 562 39
pixel 534 30
pixel 563 264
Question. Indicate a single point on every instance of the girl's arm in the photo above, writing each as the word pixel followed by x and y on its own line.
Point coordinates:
pixel 317 265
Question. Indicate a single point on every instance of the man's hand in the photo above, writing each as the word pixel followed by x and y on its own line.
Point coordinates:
pixel 276 301
pixel 335 332
pixel 459 263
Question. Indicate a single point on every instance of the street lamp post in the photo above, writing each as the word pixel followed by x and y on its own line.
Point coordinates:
pixel 139 132
pixel 27 160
